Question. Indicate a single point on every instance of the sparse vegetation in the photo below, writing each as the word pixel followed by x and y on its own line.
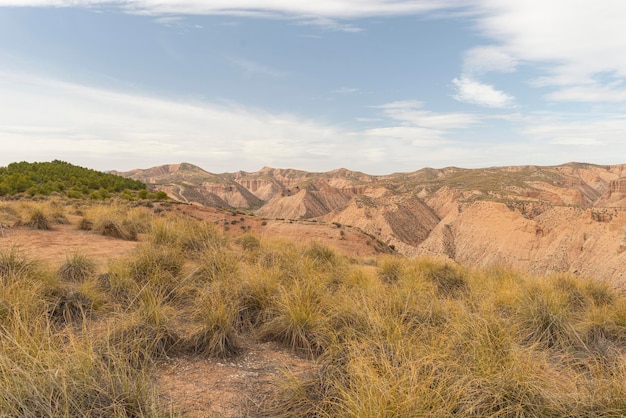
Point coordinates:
pixel 116 220
pixel 389 337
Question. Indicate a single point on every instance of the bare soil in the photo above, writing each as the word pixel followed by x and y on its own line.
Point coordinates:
pixel 237 387
pixel 53 246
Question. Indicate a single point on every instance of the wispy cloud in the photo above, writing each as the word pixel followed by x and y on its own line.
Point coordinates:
pixel 324 8
pixel 108 129
pixel 252 67
pixel 412 113
pixel 330 25
pixel 595 92
pixel 410 124
pixel 346 91
pixel 105 129
pixel 600 131
pixel 485 59
pixel 176 22
pixel 471 91
pixel 330 15
pixel 340 9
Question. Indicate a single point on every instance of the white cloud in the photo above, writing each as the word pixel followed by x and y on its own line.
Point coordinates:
pixel 475 92
pixel 574 43
pixel 45 119
pixel 320 8
pixel 484 59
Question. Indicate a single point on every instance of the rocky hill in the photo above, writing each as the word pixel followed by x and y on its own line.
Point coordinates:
pixel 540 219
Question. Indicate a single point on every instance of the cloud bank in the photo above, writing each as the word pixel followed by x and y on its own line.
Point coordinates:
pixel 579 46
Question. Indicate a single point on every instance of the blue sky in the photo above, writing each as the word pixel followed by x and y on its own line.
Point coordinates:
pixel 378 86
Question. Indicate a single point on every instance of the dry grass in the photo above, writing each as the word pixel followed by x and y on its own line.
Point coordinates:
pixel 217 317
pixel 116 220
pixel 397 338
pixel 77 267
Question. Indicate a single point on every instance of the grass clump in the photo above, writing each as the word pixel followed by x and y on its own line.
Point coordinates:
pixel 159 266
pixel 249 243
pixel 77 268
pixel 14 266
pixel 146 333
pixel 298 320
pixel 545 318
pixel 43 374
pixel 192 237
pixel 217 318
pixel 449 280
pixel 116 221
pixel 38 219
pixel 217 263
pixel 9 216
pixel 390 269
pixel 321 254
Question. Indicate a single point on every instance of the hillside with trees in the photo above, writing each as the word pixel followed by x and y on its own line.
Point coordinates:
pixel 59 177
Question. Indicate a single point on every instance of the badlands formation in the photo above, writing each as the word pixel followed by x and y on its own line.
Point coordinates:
pixel 541 220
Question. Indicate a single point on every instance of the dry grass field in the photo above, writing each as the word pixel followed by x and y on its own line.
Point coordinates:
pixel 122 310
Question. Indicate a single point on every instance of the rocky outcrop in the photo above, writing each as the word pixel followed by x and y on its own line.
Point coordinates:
pixel 615 195
pixel 302 205
pixel 617 186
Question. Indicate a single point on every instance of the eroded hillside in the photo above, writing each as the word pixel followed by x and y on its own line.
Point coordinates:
pixel 540 219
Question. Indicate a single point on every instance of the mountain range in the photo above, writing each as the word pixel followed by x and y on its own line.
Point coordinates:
pixel 540 219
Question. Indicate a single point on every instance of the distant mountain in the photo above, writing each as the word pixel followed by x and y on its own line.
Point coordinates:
pixel 189 183
pixel 542 219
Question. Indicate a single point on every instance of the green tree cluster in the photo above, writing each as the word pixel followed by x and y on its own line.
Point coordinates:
pixel 45 178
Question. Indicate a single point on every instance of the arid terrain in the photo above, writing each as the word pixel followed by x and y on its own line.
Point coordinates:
pixel 537 219
pixel 158 308
pixel 190 385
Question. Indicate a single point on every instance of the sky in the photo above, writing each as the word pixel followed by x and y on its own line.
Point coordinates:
pixel 378 86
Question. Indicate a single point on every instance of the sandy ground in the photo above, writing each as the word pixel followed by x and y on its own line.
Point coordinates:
pixel 237 387
pixel 53 246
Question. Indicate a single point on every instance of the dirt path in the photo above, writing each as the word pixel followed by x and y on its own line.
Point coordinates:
pixel 238 387
pixel 180 192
